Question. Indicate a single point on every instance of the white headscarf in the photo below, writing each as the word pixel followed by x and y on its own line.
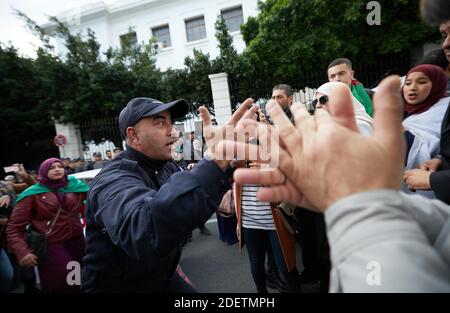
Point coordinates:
pixel 360 112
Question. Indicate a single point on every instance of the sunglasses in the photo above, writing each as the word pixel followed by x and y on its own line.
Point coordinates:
pixel 322 100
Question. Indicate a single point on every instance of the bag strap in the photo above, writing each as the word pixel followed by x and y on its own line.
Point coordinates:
pixel 52 224
pixel 49 230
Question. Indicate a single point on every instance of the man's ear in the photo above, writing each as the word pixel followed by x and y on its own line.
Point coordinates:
pixel 131 135
pixel 352 72
pixel 291 99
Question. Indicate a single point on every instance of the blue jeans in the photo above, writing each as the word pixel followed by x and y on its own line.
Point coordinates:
pixel 6 272
pixel 258 241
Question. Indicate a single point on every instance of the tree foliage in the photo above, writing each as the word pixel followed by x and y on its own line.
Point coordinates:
pixel 287 39
pixel 291 37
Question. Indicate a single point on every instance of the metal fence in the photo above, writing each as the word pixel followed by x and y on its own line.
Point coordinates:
pixel 101 129
pixel 99 135
pixel 95 133
pixel 304 85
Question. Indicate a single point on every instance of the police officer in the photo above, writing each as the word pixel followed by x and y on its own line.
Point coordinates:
pixel 141 207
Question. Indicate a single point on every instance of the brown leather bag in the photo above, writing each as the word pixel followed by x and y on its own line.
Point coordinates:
pixel 287 216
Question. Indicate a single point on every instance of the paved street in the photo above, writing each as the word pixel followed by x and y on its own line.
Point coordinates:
pixel 216 267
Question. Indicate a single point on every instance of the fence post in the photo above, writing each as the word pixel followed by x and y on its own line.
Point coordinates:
pixel 221 97
pixel 73 149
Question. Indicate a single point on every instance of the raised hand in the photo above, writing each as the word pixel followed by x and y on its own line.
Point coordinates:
pixel 326 159
pixel 215 134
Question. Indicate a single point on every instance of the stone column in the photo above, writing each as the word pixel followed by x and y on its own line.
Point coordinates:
pixel 221 97
pixel 73 149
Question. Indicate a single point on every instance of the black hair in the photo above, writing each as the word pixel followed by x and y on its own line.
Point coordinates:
pixel 339 62
pixel 285 87
pixel 435 12
pixel 436 57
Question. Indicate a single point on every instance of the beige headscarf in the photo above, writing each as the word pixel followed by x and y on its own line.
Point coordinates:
pixel 360 112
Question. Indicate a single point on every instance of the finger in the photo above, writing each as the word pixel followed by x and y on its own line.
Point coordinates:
pixel 245 123
pixel 323 118
pixel 304 122
pixel 251 113
pixel 341 107
pixel 259 176
pixel 205 116
pixel 287 131
pixel 229 150
pixel 269 150
pixel 280 193
pixel 246 127
pixel 240 111
pixel 387 125
pixel 405 178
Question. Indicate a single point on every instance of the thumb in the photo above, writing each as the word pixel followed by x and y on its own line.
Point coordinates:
pixel 341 107
pixel 205 116
pixel 387 125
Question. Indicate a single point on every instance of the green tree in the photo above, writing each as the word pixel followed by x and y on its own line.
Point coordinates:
pixel 88 83
pixel 294 37
pixel 27 129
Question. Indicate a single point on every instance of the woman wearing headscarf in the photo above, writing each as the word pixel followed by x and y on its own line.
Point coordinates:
pixel 424 93
pixel 53 207
pixel 363 120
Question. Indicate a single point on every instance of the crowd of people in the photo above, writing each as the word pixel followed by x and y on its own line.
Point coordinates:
pixel 363 180
pixel 98 161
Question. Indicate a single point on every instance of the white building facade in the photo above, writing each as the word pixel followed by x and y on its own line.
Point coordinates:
pixel 178 25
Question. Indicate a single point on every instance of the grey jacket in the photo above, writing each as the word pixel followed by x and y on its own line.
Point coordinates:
pixel 387 241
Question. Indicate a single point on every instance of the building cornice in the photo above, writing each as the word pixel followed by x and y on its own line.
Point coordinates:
pixel 100 9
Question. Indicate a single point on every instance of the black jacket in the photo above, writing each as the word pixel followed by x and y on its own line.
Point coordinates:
pixel 138 213
pixel 440 180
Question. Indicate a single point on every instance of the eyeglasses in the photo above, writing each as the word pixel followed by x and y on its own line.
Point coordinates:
pixel 322 100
